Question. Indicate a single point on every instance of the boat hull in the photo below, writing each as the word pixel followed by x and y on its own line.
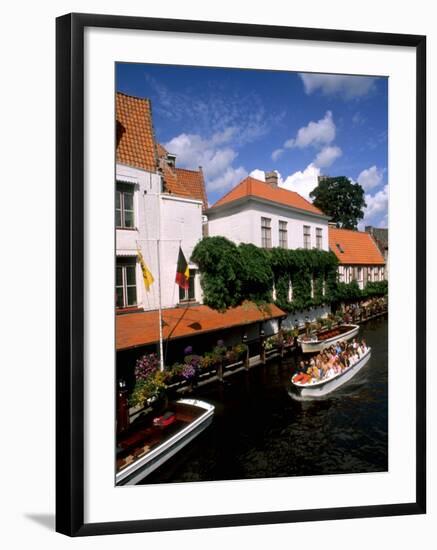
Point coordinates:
pixel 309 346
pixel 320 389
pixel 155 458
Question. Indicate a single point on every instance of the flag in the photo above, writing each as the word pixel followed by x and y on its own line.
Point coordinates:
pixel 147 276
pixel 182 271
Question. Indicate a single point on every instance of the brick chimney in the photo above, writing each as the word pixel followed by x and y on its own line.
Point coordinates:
pixel 272 178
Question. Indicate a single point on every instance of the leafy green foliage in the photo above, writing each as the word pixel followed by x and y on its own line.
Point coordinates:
pixel 341 199
pixel 257 275
pixel 221 265
pixel 377 288
pixel 351 291
pixel 348 291
pixel 231 274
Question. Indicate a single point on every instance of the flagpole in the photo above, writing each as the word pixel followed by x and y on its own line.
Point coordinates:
pixel 161 350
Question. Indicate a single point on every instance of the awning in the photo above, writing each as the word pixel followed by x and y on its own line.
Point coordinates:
pixel 141 329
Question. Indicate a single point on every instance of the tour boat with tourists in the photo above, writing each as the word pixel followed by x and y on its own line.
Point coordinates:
pixel 324 386
pixel 327 337
pixel 152 440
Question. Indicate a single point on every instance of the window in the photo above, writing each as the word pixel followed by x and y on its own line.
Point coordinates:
pixel 306 236
pixel 126 284
pixel 283 239
pixel 376 274
pixel 124 206
pixel 266 233
pixel 319 238
pixel 188 294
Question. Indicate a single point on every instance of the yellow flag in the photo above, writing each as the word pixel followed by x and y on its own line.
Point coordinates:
pixel 147 276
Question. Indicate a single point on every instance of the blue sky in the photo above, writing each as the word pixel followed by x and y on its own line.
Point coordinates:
pixel 235 122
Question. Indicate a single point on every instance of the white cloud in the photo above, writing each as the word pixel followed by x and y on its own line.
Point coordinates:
pixel 258 174
pixel 303 182
pixel 370 178
pixel 212 154
pixel 261 175
pixel 276 154
pixel 375 212
pixel 228 179
pixel 192 150
pixel 347 87
pixel 317 133
pixel 327 156
pixel 209 111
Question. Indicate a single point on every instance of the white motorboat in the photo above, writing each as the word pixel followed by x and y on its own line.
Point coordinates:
pixel 151 442
pixel 323 387
pixel 325 338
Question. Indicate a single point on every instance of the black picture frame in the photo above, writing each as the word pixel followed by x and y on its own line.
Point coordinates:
pixel 70 273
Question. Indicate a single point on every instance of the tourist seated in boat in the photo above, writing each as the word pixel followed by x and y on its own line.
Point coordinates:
pixel 331 361
pixel 302 378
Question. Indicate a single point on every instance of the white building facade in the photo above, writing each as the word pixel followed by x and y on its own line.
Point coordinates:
pixel 263 214
pixel 259 215
pixel 358 255
pixel 156 224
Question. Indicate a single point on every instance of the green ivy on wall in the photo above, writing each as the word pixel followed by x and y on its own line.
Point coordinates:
pixel 231 274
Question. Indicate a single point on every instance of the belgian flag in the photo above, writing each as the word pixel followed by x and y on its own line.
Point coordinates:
pixel 182 271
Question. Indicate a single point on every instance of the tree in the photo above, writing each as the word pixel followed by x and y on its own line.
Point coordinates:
pixel 340 199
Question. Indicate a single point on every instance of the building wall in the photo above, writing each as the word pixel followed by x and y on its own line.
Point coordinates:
pixel 243 224
pixel 305 315
pixel 368 273
pixel 177 220
pixel 181 225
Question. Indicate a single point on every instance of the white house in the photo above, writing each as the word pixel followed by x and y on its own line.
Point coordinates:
pixel 359 256
pixel 266 215
pixel 158 209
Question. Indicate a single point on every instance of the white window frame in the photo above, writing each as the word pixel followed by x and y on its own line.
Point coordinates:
pixel 283 234
pixel 307 237
pixel 266 225
pixel 122 205
pixel 319 238
pixel 124 284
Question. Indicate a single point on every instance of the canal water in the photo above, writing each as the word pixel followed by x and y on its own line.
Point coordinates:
pixel 260 431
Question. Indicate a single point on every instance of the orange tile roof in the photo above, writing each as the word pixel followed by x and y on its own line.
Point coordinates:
pixel 140 329
pixel 180 181
pixel 194 183
pixel 358 247
pixel 172 184
pixel 251 187
pixel 135 135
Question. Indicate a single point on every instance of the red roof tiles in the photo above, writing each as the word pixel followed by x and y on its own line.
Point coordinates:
pixel 135 134
pixel 140 329
pixel 180 181
pixel 251 187
pixel 136 146
pixel 354 247
pixel 194 183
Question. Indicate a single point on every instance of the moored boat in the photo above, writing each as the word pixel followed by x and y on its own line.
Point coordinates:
pixel 325 338
pixel 152 441
pixel 326 386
